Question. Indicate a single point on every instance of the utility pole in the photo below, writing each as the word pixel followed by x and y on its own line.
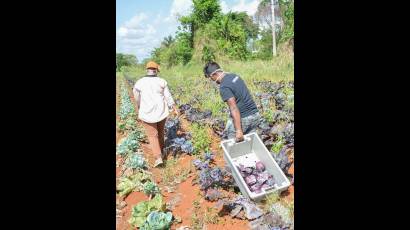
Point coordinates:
pixel 273 29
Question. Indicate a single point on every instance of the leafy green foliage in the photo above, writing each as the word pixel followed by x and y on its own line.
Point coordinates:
pixel 207 34
pixel 128 146
pixel 200 138
pixel 136 161
pixel 158 221
pixel 205 10
pixel 141 211
pixel 125 60
pixel 278 145
pixel 132 183
pixel 150 188
pixel 287 13
pixel 127 107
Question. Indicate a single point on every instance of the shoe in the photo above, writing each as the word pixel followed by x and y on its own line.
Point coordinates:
pixel 164 153
pixel 158 162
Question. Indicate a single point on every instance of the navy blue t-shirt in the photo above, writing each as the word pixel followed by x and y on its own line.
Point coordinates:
pixel 233 86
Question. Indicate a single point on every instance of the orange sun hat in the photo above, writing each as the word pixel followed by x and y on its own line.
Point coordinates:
pixel 152 65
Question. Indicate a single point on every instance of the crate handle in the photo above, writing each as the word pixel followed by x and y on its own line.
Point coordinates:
pixel 232 141
pixel 268 189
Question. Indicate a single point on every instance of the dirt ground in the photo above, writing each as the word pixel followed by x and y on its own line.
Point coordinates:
pixel 185 194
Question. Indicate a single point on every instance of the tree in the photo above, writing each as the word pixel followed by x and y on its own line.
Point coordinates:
pixel 204 11
pixel 125 60
pixel 168 41
pixel 284 16
pixel 251 29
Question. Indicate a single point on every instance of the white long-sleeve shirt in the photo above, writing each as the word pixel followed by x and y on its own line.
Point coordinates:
pixel 155 99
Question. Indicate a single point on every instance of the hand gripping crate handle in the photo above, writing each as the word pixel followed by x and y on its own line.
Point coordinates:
pixel 232 141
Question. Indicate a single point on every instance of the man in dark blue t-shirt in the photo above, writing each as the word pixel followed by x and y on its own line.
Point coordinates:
pixel 244 116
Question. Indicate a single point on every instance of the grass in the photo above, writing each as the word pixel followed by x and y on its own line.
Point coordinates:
pixel 173 174
pixel 197 222
pixel 200 216
pixel 201 139
pixel 278 145
pixel 211 216
pixel 188 82
pixel 269 200
pixel 291 206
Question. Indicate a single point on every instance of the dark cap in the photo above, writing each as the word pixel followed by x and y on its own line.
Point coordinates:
pixel 211 67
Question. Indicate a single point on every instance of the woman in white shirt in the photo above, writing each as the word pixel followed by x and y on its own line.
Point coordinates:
pixel 153 102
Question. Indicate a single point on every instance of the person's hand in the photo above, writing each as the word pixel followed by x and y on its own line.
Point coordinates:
pixel 176 112
pixel 239 136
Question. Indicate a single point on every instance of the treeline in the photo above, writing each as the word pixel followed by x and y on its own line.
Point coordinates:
pixel 208 34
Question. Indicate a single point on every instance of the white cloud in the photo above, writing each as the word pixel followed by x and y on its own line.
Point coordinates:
pixel 143 32
pixel 249 7
pixel 224 7
pixel 137 36
pixel 180 7
pixel 122 32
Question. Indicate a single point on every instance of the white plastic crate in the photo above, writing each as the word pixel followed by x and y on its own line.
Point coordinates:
pixel 248 153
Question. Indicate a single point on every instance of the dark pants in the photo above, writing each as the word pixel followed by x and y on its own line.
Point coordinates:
pixel 249 125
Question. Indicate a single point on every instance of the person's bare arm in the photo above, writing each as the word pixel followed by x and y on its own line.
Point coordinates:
pixel 236 116
pixel 170 100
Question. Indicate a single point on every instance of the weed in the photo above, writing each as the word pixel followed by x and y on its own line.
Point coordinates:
pixel 197 219
pixel 211 216
pixel 278 145
pixel 269 200
pixel 173 174
pixel 200 137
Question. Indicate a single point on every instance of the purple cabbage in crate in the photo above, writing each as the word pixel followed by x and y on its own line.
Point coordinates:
pixel 256 188
pixel 244 171
pixel 265 186
pixel 256 177
pixel 271 181
pixel 260 166
pixel 250 180
pixel 262 177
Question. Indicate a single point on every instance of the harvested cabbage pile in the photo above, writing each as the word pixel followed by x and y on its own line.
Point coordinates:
pixel 256 178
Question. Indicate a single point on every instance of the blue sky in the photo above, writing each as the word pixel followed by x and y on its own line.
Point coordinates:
pixel 141 25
